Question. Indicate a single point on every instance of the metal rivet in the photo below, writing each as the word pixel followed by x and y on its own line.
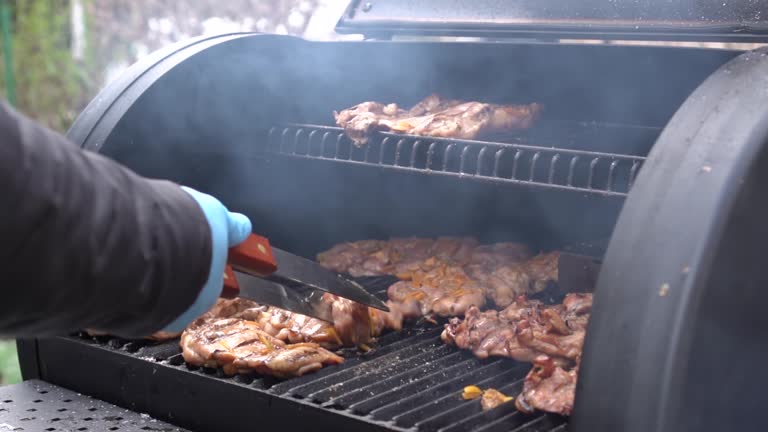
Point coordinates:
pixel 367 7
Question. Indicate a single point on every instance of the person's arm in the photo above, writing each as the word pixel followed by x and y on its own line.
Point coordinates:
pixel 86 243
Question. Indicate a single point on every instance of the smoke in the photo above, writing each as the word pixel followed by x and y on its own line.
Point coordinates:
pixel 205 122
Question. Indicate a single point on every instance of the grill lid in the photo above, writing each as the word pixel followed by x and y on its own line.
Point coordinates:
pixel 698 20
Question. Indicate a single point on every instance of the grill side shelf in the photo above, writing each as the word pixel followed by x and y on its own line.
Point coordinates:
pixel 608 174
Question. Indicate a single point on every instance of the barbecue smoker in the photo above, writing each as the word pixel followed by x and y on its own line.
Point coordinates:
pixel 659 149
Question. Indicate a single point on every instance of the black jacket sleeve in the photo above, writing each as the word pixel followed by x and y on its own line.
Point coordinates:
pixel 87 243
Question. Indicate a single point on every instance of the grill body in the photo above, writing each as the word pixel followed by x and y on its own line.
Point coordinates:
pixel 248 118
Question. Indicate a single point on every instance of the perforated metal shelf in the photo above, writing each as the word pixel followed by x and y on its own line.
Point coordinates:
pixel 42 407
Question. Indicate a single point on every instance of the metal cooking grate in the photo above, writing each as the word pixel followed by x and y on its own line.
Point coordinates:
pixel 410 381
pixel 39 406
pixel 559 168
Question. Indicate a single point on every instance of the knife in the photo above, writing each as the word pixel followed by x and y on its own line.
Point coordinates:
pixel 265 274
pixel 302 300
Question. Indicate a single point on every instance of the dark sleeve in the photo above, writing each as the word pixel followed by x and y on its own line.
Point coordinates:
pixel 87 243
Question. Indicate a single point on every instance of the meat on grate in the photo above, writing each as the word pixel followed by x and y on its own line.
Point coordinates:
pixel 550 336
pixel 437 117
pixel 240 346
pixel 548 387
pixel 447 275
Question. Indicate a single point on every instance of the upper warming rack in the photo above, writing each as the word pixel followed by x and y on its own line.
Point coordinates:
pixel 584 171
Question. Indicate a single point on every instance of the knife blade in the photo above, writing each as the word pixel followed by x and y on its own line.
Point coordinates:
pixel 293 270
pixel 301 299
pixel 257 258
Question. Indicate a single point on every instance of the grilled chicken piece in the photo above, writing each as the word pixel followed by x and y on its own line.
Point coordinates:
pixel 486 335
pixel 548 387
pixel 443 290
pixel 436 117
pixel 523 330
pixel 508 281
pixel 550 336
pixel 349 257
pixel 497 254
pixel 240 346
pixel 542 269
pixel 500 272
pixel 354 323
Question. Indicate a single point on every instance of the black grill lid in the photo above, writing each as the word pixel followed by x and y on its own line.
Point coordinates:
pixel 704 20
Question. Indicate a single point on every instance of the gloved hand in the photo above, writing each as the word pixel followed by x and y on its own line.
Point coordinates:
pixel 228 230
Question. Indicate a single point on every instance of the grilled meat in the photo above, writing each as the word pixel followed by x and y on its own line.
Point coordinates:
pixel 542 269
pixel 354 323
pixel 524 330
pixel 398 256
pixel 240 346
pixel 487 334
pixel 550 336
pixel 241 336
pixel 447 275
pixel 350 258
pixel 548 387
pixel 436 117
pixel 448 297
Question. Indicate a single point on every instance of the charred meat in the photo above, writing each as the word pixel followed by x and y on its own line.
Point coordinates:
pixel 241 336
pixel 549 336
pixel 548 387
pixel 435 117
pixel 524 330
pixel 239 346
pixel 354 323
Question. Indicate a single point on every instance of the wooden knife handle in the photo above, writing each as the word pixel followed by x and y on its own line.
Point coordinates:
pixel 253 256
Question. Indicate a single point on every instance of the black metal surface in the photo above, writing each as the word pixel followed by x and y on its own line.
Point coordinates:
pixel 679 313
pixel 577 272
pixel 557 168
pixel 410 381
pixel 740 20
pixel 38 406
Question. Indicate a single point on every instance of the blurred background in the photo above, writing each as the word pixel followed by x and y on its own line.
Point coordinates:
pixel 57 54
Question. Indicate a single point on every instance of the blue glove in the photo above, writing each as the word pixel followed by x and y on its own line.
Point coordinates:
pixel 228 230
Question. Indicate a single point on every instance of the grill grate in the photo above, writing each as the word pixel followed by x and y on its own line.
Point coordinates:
pixel 559 168
pixel 409 381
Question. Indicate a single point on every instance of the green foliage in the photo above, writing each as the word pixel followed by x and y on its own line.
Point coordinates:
pixel 50 84
pixel 9 364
